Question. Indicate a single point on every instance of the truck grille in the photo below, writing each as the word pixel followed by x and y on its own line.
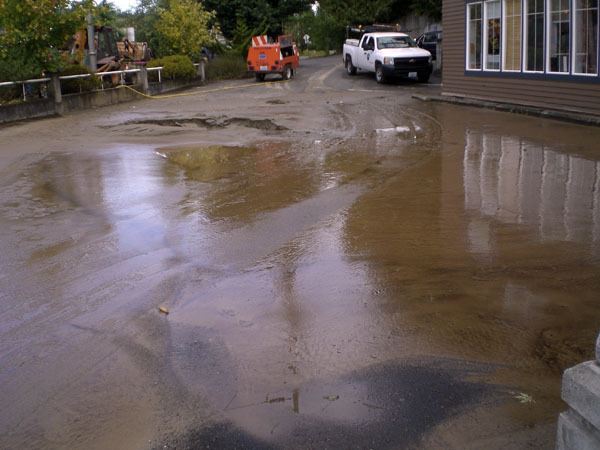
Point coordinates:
pixel 411 64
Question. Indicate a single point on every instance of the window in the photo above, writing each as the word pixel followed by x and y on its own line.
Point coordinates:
pixel 474 36
pixel 512 35
pixel 585 37
pixel 395 42
pixel 492 35
pixel 534 35
pixel 558 36
pixel 549 37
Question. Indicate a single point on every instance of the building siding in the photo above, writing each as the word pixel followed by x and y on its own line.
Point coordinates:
pixel 565 94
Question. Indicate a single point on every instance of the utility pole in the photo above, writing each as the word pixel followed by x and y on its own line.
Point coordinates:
pixel 91 32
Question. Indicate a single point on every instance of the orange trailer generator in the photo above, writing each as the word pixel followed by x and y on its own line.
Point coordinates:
pixel 279 57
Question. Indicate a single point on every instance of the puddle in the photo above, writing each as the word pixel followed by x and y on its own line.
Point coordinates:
pixel 519 181
pixel 208 163
pixel 383 406
pixel 317 290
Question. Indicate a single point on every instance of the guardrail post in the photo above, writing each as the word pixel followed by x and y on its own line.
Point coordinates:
pixel 202 69
pixel 144 79
pixel 57 94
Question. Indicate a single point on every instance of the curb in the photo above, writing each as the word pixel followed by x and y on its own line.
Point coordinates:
pixel 564 116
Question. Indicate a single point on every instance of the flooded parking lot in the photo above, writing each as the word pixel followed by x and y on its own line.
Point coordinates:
pixel 366 271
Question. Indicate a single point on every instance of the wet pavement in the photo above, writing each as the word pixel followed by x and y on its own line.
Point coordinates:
pixel 343 267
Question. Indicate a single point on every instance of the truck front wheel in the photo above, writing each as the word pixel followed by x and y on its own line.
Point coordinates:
pixel 379 75
pixel 349 66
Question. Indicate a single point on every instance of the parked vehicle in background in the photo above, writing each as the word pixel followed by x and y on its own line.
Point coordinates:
pixel 265 57
pixel 429 41
pixel 387 55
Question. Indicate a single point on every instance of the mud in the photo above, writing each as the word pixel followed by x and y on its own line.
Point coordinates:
pixel 375 273
pixel 221 122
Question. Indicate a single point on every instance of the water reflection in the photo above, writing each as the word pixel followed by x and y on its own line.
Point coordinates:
pixel 517 181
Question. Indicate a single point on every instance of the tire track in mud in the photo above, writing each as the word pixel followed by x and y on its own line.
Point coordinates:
pixel 208 122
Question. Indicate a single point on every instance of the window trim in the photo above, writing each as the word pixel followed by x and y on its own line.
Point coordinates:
pixel 468 36
pixel 523 73
pixel 548 32
pixel 485 39
pixel 525 33
pixel 574 40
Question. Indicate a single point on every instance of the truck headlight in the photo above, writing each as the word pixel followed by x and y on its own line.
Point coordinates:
pixel 388 61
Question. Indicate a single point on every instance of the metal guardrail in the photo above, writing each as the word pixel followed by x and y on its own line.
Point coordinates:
pixel 121 73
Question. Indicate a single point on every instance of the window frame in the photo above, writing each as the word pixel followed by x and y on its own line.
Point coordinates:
pixel 523 73
pixel 524 43
pixel 468 36
pixel 548 32
pixel 485 36
pixel 574 34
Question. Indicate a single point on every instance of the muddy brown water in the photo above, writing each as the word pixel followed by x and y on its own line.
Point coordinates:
pixel 421 282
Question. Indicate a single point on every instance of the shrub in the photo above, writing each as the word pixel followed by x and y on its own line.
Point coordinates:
pixel 226 67
pixel 10 94
pixel 8 72
pixel 77 85
pixel 176 67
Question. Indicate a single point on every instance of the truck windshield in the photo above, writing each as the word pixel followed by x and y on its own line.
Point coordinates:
pixel 395 42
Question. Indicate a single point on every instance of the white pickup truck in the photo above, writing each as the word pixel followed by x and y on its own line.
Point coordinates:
pixel 387 55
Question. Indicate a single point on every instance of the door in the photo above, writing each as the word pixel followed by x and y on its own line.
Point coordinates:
pixel 366 58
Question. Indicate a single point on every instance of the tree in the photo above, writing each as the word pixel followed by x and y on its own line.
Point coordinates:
pixel 430 8
pixel 356 12
pixel 183 28
pixel 32 33
pixel 255 13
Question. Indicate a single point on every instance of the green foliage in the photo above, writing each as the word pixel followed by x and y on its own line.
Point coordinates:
pixel 182 28
pixel 175 67
pixel 33 31
pixel 325 31
pixel 429 8
pixel 79 84
pixel 10 94
pixel 354 11
pixel 327 28
pixel 226 67
pixel 267 14
pixel 242 37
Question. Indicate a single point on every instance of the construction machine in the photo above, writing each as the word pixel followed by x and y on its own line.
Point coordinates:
pixel 111 54
pixel 265 57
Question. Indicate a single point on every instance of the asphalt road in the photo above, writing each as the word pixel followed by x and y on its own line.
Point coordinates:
pixel 342 267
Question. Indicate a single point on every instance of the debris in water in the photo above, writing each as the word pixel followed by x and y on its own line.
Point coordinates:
pixel 163 310
pixel 331 398
pixel 524 398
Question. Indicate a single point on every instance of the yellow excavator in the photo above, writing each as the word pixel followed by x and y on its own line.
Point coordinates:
pixel 110 53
